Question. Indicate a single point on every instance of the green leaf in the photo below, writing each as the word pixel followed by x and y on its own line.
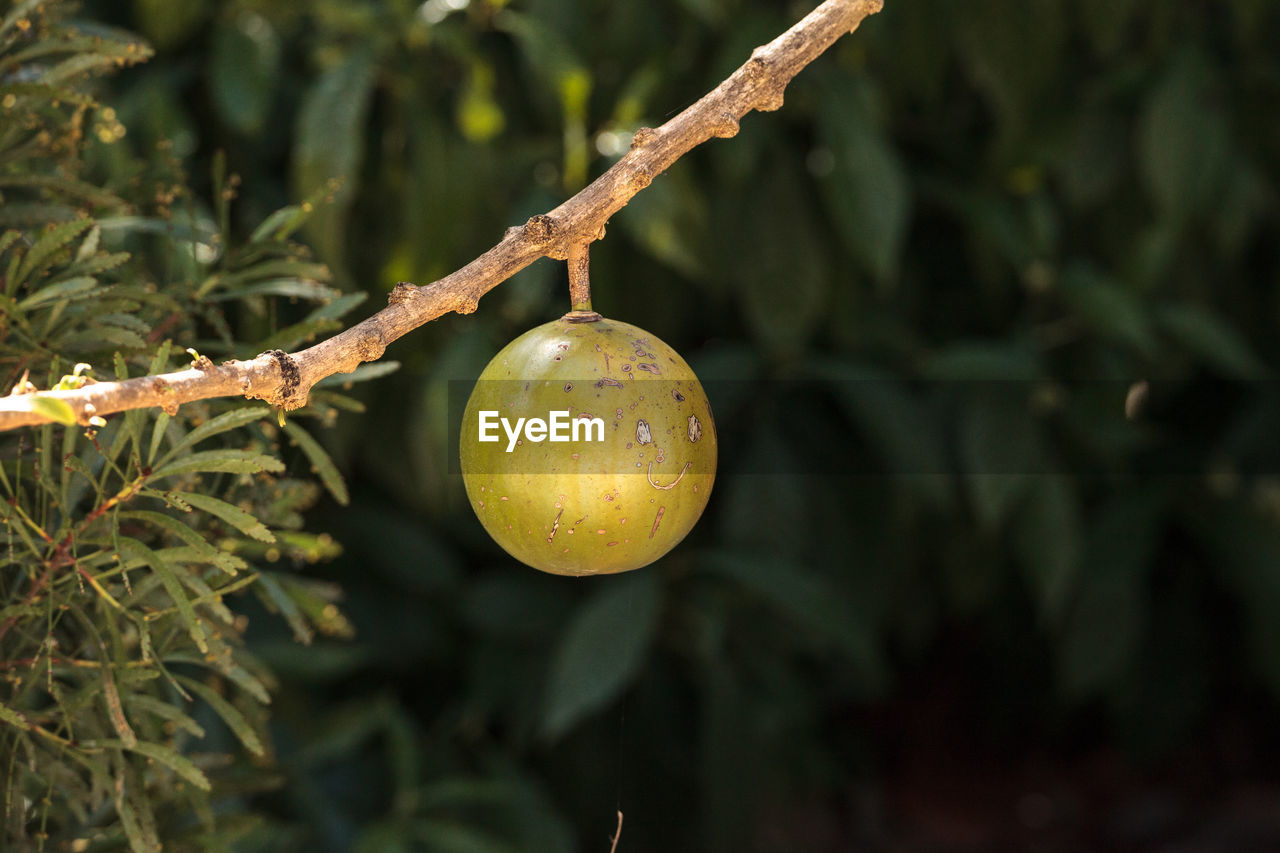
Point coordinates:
pixel 363 373
pixel 329 474
pixel 1000 452
pixel 1109 307
pixel 13 718
pixel 243 68
pixel 160 361
pixel 290 337
pixel 1103 630
pixel 669 222
pixel 1209 337
pixel 163 754
pixel 226 666
pixel 338 307
pixel 157 435
pixel 22 9
pixel 224 422
pixel 166 711
pixel 91 193
pixel 1047 542
pixel 780 264
pixel 135 550
pixel 229 563
pixel 233 515
pixel 983 361
pixel 41 254
pixel 1185 145
pixel 601 650
pixel 278 599
pixel 1012 49
pixel 810 601
pixel 96 338
pixel 79 287
pixel 867 191
pixel 189 231
pixel 58 411
pixel 282 223
pixel 140 840
pixel 290 287
pixel 329 145
pixel 229 714
pixel 220 461
pixel 893 420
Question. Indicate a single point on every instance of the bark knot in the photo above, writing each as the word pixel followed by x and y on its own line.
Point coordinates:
pixel 288 396
pixel 402 292
pixel 643 136
pixel 541 229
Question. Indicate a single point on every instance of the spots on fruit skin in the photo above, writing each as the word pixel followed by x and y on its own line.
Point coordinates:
pixel 612 383
pixel 568 386
pixel 679 398
pixel 657 519
pixel 643 435
pixel 555 525
pixel 695 428
pixel 651 368
pixel 670 485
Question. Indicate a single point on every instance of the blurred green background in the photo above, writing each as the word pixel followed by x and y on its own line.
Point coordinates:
pixel 1006 615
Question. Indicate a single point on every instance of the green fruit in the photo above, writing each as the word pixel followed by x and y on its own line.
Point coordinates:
pixel 586 507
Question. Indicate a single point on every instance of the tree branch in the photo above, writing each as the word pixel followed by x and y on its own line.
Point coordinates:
pixel 285 380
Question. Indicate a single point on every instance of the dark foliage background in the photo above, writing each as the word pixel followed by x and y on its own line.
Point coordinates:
pixel 946 595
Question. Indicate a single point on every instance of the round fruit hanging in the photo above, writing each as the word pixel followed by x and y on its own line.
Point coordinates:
pixel 588 445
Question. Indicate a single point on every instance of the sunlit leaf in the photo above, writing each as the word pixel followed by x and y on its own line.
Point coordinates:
pixel 219 461
pixel 243 521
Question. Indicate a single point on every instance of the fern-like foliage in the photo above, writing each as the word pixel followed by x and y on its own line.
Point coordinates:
pixel 128 704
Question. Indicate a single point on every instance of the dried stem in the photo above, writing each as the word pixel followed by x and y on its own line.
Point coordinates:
pixel 285 380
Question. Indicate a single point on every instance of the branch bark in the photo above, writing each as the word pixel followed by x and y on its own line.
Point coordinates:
pixel 285 380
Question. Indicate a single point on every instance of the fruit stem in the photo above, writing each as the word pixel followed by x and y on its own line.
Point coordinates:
pixel 580 277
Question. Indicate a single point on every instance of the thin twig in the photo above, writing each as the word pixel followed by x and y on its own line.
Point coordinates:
pixel 285 380
pixel 617 834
